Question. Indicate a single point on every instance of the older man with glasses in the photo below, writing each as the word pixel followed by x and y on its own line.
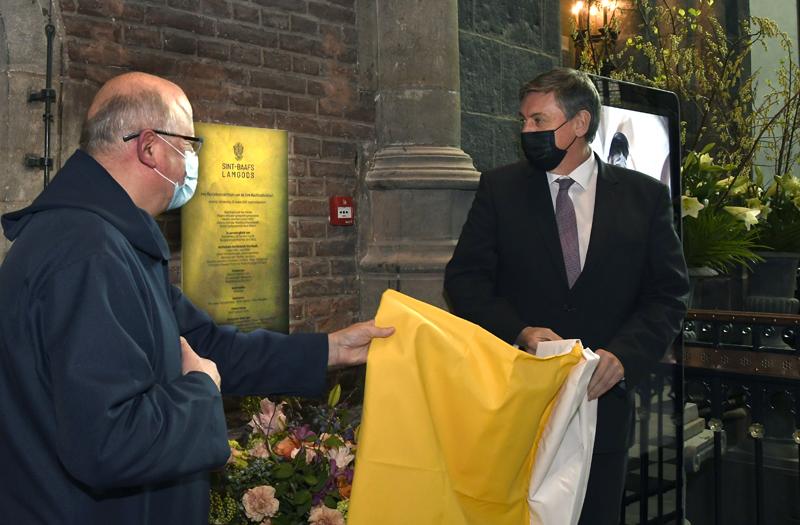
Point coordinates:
pixel 110 379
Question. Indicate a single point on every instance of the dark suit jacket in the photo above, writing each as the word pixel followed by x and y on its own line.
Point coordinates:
pixel 508 273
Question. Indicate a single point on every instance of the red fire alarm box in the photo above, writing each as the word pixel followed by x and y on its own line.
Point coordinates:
pixel 341 210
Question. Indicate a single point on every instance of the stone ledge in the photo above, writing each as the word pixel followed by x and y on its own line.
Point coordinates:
pixel 422 167
pixel 407 258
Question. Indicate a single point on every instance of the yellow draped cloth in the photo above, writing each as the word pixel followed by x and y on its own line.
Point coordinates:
pixel 451 423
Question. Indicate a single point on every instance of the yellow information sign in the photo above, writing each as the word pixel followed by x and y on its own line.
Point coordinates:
pixel 235 246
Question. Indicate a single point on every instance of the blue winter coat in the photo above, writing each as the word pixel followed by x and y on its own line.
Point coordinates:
pixel 97 423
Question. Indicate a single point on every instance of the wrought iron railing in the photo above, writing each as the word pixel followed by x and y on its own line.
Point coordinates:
pixel 741 377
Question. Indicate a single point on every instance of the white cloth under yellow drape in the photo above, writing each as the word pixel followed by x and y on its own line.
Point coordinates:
pixel 452 421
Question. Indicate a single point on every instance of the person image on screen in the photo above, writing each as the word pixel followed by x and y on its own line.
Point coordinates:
pixel 110 379
pixel 618 150
pixel 564 245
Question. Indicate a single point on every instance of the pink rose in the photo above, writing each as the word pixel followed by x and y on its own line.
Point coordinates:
pixel 260 503
pixel 322 515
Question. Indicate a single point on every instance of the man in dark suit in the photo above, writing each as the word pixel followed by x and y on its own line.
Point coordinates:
pixel 564 245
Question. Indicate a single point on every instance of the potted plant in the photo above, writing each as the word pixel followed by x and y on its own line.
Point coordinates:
pixel 717 235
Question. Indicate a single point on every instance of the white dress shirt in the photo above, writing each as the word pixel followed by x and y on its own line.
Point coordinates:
pixel 583 194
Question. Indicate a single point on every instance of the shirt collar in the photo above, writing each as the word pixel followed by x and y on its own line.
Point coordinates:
pixel 582 175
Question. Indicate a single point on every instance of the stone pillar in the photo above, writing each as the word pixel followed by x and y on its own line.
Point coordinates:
pixel 419 184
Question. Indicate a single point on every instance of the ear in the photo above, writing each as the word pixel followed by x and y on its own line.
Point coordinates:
pixel 582 121
pixel 144 148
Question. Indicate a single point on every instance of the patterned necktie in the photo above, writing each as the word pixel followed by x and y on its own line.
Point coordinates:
pixel 568 230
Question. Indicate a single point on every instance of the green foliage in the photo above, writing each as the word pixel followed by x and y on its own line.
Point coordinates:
pixel 718 241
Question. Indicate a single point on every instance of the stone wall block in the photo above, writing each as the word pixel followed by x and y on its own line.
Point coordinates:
pixel 466 15
pixel 460 204
pixel 481 74
pixel 518 22
pixel 477 138
pixel 425 214
pixel 520 66
pixel 436 117
pixel 508 147
pixel 551 37
pixel 410 27
pixel 25 49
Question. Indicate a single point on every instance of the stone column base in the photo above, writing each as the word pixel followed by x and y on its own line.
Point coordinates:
pixel 418 200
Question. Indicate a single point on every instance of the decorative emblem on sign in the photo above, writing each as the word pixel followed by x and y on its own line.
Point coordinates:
pixel 238 150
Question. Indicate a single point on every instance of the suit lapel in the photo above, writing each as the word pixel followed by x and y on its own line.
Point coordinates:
pixel 606 208
pixel 544 218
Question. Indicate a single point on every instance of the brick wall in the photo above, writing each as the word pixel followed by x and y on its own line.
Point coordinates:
pixel 282 64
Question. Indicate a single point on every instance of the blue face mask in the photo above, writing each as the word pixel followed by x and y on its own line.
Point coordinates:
pixel 183 192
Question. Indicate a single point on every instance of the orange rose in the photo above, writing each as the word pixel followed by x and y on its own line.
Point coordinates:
pixel 286 447
pixel 344 487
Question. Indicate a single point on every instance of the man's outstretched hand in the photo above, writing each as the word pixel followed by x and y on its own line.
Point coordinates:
pixel 351 345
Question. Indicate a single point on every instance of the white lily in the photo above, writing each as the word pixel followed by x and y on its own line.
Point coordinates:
pixel 341 456
pixel 690 206
pixel 756 204
pixel 748 215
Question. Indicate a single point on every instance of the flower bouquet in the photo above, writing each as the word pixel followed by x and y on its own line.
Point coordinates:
pixel 294 467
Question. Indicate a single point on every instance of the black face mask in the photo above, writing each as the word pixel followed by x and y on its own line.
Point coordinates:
pixel 540 148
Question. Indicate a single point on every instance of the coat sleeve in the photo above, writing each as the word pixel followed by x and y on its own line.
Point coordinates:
pixel 258 362
pixel 469 278
pixel 116 424
pixel 662 304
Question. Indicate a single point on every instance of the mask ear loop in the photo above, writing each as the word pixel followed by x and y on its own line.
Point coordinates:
pixel 179 153
pixel 558 128
pixel 184 154
pixel 166 179
pixel 571 143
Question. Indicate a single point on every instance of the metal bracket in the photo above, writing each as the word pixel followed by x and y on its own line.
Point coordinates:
pixel 44 94
pixel 32 161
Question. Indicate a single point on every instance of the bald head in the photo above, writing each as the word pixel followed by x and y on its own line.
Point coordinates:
pixel 130 103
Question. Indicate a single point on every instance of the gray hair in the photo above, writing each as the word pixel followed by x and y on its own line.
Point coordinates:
pixel 123 114
pixel 574 92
